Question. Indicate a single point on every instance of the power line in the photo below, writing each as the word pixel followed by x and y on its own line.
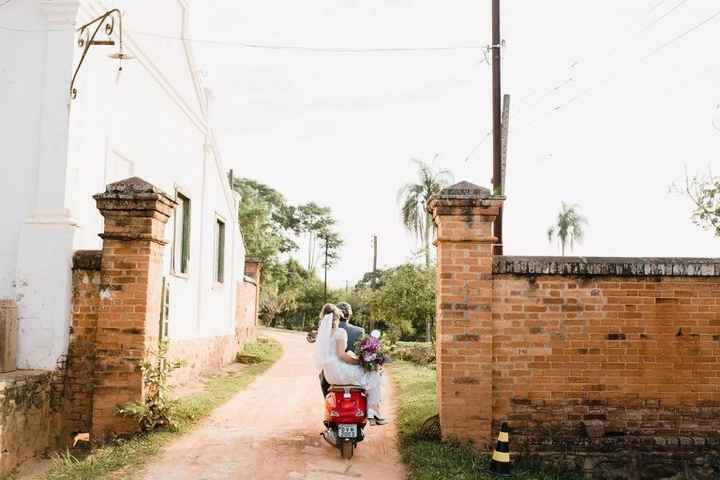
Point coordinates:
pixel 655 7
pixel 642 60
pixel 281 47
pixel 23 30
pixel 304 48
pixel 665 15
pixel 682 35
pixel 611 53
pixel 608 79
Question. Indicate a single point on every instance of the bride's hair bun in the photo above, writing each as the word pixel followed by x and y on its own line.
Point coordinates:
pixel 330 308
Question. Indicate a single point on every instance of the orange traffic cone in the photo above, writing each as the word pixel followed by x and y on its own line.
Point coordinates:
pixel 500 464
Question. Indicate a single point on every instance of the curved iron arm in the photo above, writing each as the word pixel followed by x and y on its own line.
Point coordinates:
pixel 89 40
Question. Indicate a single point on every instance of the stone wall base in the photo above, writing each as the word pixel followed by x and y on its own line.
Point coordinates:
pixel 30 420
pixel 638 459
pixel 201 355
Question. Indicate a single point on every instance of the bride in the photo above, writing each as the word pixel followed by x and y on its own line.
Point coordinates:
pixel 343 368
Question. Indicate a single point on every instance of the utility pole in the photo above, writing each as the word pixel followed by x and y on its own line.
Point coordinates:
pixel 373 280
pixel 374 270
pixel 326 265
pixel 496 48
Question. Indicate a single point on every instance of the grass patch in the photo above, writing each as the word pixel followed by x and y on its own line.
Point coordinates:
pixel 428 459
pixel 133 452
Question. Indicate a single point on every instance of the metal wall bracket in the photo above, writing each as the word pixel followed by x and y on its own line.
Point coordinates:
pixel 87 40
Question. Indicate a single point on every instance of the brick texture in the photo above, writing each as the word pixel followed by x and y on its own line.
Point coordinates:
pixel 464 318
pixel 81 358
pixel 200 355
pixel 246 313
pixel 135 215
pixel 608 365
pixel 606 356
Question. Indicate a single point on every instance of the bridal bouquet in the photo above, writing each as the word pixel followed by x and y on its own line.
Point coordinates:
pixel 371 352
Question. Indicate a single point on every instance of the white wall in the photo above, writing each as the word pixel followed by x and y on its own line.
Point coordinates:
pixel 39 226
pixel 22 67
pixel 150 122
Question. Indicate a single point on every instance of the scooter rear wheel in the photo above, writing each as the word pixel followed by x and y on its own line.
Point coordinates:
pixel 346 450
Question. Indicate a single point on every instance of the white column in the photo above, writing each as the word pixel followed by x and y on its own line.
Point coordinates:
pixel 43 276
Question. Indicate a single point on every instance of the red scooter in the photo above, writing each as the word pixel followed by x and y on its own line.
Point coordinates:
pixel 346 416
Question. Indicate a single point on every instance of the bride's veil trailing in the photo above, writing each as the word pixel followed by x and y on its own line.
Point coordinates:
pixel 323 343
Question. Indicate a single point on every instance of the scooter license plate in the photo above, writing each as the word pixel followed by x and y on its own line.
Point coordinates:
pixel 347 431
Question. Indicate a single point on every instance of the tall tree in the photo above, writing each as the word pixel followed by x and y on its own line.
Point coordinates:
pixel 318 224
pixel 266 220
pixel 405 303
pixel 568 229
pixel 413 198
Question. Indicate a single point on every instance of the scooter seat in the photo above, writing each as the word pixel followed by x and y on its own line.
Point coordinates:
pixel 342 388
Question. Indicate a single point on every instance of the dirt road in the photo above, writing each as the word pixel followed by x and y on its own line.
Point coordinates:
pixel 271 431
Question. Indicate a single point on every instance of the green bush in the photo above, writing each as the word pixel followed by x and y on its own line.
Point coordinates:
pixel 420 353
pixel 157 409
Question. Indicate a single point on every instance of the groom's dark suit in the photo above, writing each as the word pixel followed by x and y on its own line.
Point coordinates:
pixel 354 334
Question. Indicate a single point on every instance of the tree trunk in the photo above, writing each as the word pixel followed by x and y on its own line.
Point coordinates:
pixel 309 250
pixel 428 226
pixel 429 330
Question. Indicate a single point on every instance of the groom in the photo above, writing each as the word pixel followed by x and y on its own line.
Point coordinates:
pixel 354 333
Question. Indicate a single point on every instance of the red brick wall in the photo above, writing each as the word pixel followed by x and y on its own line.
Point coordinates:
pixel 607 356
pixel 80 366
pixel 200 355
pixel 611 365
pixel 246 312
pixel 203 354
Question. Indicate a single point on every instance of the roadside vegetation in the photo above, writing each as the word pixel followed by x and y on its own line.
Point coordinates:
pixel 420 353
pixel 130 454
pixel 424 454
pixel 399 300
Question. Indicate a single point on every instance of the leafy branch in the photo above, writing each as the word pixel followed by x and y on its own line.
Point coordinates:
pixel 156 411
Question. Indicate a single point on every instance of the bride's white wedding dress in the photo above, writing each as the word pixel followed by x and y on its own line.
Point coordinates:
pixel 338 372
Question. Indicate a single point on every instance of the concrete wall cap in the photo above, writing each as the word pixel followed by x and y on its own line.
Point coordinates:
pixel 464 194
pixel 465 190
pixel 133 188
pixel 608 266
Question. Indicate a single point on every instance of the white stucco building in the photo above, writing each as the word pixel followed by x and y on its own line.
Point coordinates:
pixel 149 120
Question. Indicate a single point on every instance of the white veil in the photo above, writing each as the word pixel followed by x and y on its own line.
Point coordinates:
pixel 323 343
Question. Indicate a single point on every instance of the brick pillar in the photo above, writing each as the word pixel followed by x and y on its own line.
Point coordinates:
pixel 252 268
pixel 463 215
pixel 135 215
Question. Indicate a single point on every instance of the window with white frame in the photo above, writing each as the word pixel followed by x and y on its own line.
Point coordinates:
pixel 181 241
pixel 219 251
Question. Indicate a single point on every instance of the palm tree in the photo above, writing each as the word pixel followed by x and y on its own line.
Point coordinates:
pixel 413 198
pixel 569 227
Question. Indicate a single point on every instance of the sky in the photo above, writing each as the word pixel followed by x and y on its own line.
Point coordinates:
pixel 610 103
